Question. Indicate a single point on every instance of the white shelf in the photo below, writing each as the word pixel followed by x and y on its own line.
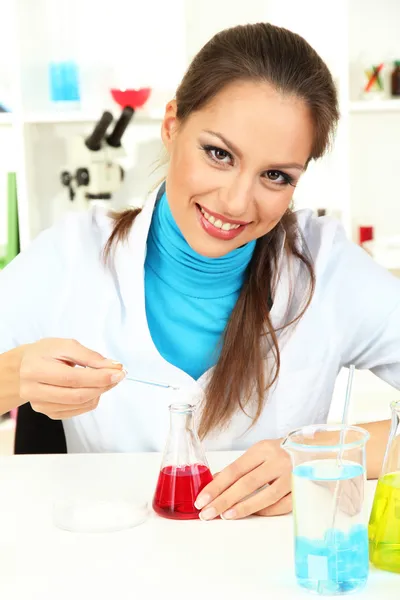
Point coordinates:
pixel 54 118
pixel 5 118
pixel 363 106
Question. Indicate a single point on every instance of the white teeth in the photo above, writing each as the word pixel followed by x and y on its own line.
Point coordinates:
pixel 225 226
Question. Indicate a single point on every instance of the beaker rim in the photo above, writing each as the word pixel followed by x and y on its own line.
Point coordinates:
pixel 289 444
pixel 181 407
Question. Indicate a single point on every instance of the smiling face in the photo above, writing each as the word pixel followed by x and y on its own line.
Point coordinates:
pixel 234 165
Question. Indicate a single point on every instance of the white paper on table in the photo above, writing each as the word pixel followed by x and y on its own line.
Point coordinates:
pixel 3 213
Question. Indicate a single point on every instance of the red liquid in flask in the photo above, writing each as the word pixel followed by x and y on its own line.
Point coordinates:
pixel 177 490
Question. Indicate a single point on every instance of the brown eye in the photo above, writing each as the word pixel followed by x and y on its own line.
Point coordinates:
pixel 274 175
pixel 279 177
pixel 218 155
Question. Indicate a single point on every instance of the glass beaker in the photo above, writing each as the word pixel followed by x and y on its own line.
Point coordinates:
pixel 384 524
pixel 184 469
pixel 330 527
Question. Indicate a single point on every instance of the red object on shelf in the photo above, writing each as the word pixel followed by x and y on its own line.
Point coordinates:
pixel 132 98
pixel 365 234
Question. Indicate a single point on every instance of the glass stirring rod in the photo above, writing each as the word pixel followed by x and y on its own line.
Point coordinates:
pixel 160 384
pixel 345 415
pixel 345 422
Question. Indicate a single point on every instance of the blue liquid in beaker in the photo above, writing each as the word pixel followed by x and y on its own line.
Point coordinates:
pixel 332 560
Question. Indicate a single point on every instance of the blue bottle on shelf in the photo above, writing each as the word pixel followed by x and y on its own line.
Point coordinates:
pixel 64 82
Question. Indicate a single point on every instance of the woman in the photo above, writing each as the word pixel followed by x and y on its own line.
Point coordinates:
pixel 214 284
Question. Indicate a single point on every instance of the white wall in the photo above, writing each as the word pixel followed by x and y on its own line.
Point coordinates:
pixel 375 137
pixel 370 400
pixel 206 18
pixel 133 46
pixel 7 140
pixel 7 59
pixel 374 37
pixel 375 168
pixel 130 44
pixel 122 43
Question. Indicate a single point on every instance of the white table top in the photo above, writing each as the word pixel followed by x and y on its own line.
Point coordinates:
pixel 170 560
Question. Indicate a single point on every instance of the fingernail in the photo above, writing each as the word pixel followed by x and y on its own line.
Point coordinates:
pixel 117 364
pixel 202 501
pixel 118 377
pixel 229 514
pixel 208 514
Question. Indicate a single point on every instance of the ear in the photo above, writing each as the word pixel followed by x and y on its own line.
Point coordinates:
pixel 170 125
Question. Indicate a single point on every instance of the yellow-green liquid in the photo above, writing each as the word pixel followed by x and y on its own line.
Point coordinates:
pixel 384 524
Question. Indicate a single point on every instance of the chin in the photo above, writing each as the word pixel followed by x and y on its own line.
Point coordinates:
pixel 209 249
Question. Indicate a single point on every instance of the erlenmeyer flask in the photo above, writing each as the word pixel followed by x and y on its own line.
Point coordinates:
pixel 184 469
pixel 384 524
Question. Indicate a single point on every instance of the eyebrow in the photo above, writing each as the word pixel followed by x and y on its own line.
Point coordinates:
pixel 236 151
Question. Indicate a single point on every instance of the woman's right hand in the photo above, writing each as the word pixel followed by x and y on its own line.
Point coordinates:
pixel 53 383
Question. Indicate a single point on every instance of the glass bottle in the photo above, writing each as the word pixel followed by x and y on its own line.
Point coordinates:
pixel 184 469
pixel 396 79
pixel 384 524
pixel 63 70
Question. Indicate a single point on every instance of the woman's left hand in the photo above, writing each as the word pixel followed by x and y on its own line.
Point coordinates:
pixel 241 488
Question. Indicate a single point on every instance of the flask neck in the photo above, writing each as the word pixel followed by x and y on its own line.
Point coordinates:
pixel 395 430
pixel 392 457
pixel 183 446
pixel 181 417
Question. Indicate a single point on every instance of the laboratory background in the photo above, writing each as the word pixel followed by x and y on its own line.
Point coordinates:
pixel 68 70
pixel 83 90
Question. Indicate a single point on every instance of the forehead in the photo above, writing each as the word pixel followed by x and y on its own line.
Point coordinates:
pixel 256 117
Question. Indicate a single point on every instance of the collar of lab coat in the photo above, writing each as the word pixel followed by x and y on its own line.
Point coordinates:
pixel 129 260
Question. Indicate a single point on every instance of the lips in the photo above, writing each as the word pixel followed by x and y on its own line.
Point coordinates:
pixel 217 226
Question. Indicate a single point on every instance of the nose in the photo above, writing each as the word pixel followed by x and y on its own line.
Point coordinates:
pixel 238 197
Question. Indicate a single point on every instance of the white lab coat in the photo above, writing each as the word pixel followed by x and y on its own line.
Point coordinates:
pixel 60 288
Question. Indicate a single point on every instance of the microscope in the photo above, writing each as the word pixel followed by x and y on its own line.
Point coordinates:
pixel 95 173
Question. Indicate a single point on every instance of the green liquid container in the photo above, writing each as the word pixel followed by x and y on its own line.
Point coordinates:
pixel 10 251
pixel 384 524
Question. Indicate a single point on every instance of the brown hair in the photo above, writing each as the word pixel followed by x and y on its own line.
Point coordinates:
pixel 264 53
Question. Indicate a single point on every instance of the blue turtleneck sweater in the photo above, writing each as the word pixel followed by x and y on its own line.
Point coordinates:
pixel 189 298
